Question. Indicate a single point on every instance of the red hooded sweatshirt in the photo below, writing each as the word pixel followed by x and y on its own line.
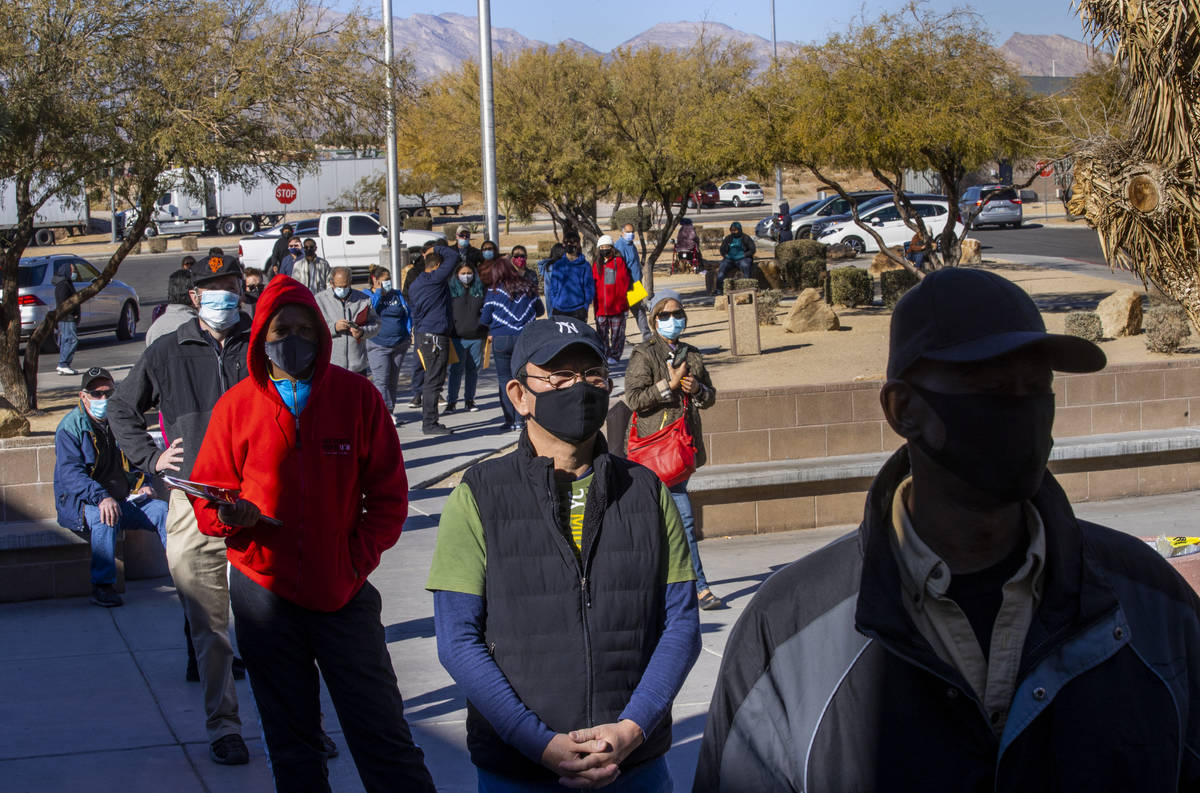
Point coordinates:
pixel 335 477
pixel 612 286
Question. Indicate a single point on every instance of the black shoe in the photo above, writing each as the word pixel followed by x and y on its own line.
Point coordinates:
pixel 192 675
pixel 709 601
pixel 239 668
pixel 329 749
pixel 449 408
pixel 415 403
pixel 436 429
pixel 471 408
pixel 229 750
pixel 105 595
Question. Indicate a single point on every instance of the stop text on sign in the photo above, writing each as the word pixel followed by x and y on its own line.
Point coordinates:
pixel 285 193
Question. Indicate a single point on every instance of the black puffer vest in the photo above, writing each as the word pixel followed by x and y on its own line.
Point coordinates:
pixel 573 638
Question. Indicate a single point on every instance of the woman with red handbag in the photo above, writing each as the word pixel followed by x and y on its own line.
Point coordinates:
pixel 666 387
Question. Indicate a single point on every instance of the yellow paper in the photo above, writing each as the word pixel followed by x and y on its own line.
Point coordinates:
pixel 636 294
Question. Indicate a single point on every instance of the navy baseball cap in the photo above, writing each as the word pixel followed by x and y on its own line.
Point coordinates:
pixel 214 267
pixel 94 374
pixel 543 339
pixel 958 315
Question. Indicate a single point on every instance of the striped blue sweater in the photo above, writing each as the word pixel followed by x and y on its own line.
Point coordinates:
pixel 505 315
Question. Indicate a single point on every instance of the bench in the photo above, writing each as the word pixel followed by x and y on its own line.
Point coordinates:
pixel 839 483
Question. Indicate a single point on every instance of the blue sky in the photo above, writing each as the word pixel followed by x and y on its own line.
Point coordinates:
pixel 605 24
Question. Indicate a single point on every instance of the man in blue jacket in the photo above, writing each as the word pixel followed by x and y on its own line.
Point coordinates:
pixel 570 287
pixel 429 300
pixel 95 488
pixel 628 251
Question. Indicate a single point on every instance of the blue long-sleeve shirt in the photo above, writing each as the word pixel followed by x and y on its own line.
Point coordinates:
pixel 628 251
pixel 505 315
pixel 460 618
pixel 429 296
pixel 570 285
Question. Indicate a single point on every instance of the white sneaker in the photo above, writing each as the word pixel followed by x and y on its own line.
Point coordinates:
pixel 65 370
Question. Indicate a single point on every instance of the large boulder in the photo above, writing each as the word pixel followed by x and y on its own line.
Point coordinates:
pixel 810 313
pixel 971 252
pixel 839 251
pixel 12 423
pixel 1121 314
pixel 882 263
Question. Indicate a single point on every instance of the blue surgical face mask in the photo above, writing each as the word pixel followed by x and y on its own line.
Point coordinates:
pixel 98 408
pixel 342 292
pixel 218 309
pixel 489 254
pixel 670 327
pixel 463 242
pixel 294 394
pixel 627 236
pixel 385 286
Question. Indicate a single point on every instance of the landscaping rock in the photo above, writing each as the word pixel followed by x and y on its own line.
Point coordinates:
pixel 12 423
pixel 971 252
pixel 770 270
pixel 1121 314
pixel 882 263
pixel 810 313
pixel 839 251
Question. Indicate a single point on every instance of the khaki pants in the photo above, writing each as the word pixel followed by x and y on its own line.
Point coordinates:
pixel 198 566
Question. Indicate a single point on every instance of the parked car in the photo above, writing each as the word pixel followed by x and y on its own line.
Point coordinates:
pixel 829 207
pixel 763 227
pixel 113 308
pixel 991 205
pixel 884 217
pixel 704 196
pixel 740 193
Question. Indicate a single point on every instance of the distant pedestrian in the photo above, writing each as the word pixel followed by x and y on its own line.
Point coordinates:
pixel 310 446
pixel 612 284
pixel 386 350
pixel 295 252
pixel 570 287
pixel 429 300
pixel 177 310
pixel 68 322
pixel 737 252
pixel 489 254
pixel 508 307
pixel 96 489
pixel 466 251
pixel 253 288
pixel 466 304
pixel 519 259
pixel 310 269
pixel 187 262
pixel 543 265
pixel 351 321
pixel 279 250
pixel 627 249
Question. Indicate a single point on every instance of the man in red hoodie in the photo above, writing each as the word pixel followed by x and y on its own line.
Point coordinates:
pixel 323 493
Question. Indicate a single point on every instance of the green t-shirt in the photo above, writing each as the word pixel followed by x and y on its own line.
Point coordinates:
pixel 572 499
pixel 460 555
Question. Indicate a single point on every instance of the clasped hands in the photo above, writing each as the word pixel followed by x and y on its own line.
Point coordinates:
pixel 591 758
pixel 682 380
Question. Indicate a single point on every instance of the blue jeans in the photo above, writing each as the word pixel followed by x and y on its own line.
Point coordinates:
pixel 744 264
pixel 652 776
pixel 502 353
pixel 470 358
pixel 684 505
pixel 148 515
pixel 68 340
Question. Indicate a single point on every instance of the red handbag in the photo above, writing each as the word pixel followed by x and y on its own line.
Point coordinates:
pixel 670 452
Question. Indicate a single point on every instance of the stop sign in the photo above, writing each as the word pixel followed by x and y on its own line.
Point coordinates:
pixel 1045 168
pixel 285 193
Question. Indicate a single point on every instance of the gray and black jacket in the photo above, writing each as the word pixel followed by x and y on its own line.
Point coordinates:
pixel 828 686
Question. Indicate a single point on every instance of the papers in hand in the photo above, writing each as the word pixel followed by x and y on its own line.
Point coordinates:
pixel 220 495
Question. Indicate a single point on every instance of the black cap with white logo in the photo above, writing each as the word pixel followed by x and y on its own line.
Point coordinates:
pixel 543 339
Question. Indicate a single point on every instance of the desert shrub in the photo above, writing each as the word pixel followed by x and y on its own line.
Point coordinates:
pixel 812 275
pixel 1166 327
pixel 418 223
pixel 630 215
pixel 738 284
pixel 1085 325
pixel 767 303
pixel 794 256
pixel 710 237
pixel 894 283
pixel 851 287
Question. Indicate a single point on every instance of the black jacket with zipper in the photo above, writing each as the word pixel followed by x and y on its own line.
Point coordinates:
pixel 572 636
pixel 182 375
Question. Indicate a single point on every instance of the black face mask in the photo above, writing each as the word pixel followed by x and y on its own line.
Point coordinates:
pixel 997 443
pixel 293 354
pixel 571 249
pixel 572 414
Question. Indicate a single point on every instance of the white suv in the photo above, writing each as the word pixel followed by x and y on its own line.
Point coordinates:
pixel 885 219
pixel 740 194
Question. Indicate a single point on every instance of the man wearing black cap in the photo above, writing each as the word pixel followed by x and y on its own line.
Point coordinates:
pixel 95 488
pixel 182 375
pixel 972 634
pixel 563 597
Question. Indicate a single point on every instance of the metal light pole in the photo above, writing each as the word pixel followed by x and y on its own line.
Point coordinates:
pixel 393 173
pixel 487 122
pixel 775 61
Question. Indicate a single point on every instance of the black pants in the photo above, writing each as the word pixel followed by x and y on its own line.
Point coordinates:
pixel 580 314
pixel 435 350
pixel 283 645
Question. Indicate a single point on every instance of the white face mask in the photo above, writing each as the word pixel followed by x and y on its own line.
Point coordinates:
pixel 385 286
pixel 218 309
pixel 342 292
pixel 467 278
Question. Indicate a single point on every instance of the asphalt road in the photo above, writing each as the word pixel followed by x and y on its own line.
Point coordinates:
pixel 1068 242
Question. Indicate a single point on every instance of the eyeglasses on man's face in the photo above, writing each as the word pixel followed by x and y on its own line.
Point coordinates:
pixel 597 376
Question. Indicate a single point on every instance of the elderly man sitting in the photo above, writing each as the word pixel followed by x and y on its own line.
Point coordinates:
pixel 351 320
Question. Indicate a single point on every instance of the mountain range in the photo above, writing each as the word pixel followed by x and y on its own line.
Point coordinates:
pixel 437 43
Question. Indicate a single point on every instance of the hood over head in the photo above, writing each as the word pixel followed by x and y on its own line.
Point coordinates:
pixel 281 291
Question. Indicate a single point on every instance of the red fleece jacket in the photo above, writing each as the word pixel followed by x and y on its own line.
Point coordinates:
pixel 335 478
pixel 612 286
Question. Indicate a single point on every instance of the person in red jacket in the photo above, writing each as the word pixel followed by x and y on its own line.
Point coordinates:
pixel 313 453
pixel 612 300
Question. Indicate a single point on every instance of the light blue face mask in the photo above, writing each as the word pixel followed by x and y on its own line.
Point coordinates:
pixel 627 236
pixel 670 327
pixel 489 254
pixel 98 408
pixel 219 308
pixel 342 292
pixel 294 395
pixel 385 286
